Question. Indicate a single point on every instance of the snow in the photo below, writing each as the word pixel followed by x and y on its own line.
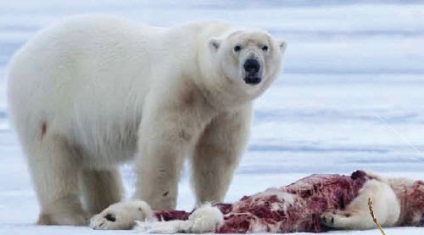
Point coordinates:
pixel 351 96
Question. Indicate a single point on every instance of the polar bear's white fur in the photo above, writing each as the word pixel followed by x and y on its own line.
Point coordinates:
pixel 96 91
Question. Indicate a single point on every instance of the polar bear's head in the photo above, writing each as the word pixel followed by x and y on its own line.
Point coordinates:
pixel 248 59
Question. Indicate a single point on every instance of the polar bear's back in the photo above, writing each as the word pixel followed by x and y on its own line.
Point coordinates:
pixel 83 54
pixel 84 50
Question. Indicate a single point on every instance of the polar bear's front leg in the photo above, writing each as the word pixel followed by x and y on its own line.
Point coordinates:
pixel 217 154
pixel 165 137
pixel 158 168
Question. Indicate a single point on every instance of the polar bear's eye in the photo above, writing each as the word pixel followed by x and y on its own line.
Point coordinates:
pixel 265 48
pixel 237 48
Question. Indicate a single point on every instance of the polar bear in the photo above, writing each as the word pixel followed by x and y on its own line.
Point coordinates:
pixel 96 91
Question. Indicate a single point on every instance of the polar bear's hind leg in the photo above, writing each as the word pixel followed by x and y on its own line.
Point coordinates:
pixel 54 168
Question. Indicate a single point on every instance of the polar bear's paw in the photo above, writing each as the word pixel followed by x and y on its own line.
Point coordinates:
pixel 121 216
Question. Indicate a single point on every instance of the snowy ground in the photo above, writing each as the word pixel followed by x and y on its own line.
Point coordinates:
pixel 351 96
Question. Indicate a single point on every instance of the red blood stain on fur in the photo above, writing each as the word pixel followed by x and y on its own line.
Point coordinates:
pixel 188 97
pixel 43 130
pixel 188 93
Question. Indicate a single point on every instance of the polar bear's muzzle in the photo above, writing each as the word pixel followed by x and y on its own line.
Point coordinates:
pixel 252 70
pixel 252 80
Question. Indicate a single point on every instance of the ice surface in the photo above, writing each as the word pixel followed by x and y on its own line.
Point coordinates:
pixel 351 96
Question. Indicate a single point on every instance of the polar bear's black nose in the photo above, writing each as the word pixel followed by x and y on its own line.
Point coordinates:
pixel 251 66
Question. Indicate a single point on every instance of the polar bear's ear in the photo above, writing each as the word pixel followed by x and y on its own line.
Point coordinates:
pixel 214 44
pixel 283 45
